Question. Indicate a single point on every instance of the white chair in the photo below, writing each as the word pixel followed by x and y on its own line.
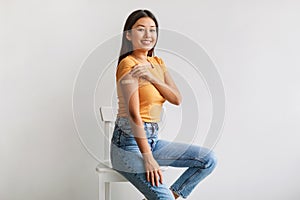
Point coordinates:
pixel 106 173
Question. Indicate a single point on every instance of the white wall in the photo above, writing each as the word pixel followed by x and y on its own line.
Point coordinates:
pixel 254 44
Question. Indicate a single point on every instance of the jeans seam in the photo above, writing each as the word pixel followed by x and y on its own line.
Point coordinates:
pixel 186 182
pixel 190 159
pixel 142 182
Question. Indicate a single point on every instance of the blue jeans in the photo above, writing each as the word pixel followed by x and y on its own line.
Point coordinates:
pixel 128 161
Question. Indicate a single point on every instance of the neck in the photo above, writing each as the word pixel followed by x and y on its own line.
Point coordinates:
pixel 140 55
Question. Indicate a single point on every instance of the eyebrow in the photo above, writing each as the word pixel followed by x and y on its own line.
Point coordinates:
pixel 144 26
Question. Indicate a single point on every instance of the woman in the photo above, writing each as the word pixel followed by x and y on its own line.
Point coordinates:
pixel 143 85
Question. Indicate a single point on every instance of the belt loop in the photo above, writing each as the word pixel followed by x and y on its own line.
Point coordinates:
pixel 152 128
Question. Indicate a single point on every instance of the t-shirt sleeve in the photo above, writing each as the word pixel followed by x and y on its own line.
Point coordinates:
pixel 124 67
pixel 162 64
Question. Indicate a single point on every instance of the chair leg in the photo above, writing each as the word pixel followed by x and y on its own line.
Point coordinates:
pixel 102 190
pixel 107 191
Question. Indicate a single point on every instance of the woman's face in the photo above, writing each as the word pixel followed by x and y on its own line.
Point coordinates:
pixel 143 35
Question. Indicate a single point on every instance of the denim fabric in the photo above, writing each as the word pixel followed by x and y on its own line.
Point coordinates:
pixel 128 161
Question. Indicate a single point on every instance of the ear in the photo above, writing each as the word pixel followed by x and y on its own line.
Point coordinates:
pixel 128 35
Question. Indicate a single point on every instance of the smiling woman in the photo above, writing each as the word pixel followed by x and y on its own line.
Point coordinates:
pixel 143 85
pixel 143 34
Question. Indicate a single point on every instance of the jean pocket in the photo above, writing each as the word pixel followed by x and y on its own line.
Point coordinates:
pixel 121 139
pixel 125 127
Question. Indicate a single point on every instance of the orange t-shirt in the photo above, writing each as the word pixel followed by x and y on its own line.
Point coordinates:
pixel 150 99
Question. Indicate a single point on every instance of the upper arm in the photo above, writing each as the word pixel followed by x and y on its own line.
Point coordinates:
pixel 169 80
pixel 130 93
pixel 128 86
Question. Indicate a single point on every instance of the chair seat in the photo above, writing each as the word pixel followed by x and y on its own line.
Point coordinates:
pixel 109 175
pixel 102 169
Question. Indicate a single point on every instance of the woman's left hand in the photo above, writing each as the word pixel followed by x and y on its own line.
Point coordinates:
pixel 142 71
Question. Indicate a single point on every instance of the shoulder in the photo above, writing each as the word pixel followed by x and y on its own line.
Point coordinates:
pixel 160 62
pixel 125 66
pixel 157 60
pixel 127 61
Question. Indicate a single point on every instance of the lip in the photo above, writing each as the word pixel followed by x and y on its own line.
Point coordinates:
pixel 146 41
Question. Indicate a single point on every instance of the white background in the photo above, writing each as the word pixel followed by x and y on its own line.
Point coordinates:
pixel 255 45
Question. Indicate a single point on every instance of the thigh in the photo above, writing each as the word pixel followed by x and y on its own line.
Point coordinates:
pixel 145 187
pixel 181 154
pixel 125 153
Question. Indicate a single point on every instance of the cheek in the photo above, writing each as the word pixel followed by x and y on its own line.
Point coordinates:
pixel 137 35
pixel 154 37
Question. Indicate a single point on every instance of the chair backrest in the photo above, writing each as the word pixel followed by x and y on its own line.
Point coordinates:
pixel 108 117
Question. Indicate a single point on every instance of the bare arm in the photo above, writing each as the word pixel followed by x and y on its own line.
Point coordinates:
pixel 129 88
pixel 166 88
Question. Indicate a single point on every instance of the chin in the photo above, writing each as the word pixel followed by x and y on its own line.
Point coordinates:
pixel 147 47
pixel 144 48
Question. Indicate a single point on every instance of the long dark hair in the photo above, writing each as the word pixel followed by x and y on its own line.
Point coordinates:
pixel 126 48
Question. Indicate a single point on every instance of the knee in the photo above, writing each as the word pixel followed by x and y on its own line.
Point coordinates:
pixel 205 158
pixel 211 160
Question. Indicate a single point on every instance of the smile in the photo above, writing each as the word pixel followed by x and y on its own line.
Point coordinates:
pixel 146 41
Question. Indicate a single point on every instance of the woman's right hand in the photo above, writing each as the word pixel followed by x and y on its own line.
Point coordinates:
pixel 142 71
pixel 153 172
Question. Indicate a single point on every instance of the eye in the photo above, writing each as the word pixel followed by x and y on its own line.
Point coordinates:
pixel 153 30
pixel 140 29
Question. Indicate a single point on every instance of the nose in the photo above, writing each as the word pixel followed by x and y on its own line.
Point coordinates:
pixel 147 33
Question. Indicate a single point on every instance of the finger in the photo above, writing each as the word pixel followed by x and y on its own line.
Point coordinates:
pixel 134 68
pixel 149 65
pixel 140 74
pixel 135 73
pixel 152 178
pixel 148 176
pixel 160 174
pixel 156 179
pixel 137 67
pixel 140 68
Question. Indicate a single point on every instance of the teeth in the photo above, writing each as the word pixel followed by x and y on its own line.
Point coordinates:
pixel 146 42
